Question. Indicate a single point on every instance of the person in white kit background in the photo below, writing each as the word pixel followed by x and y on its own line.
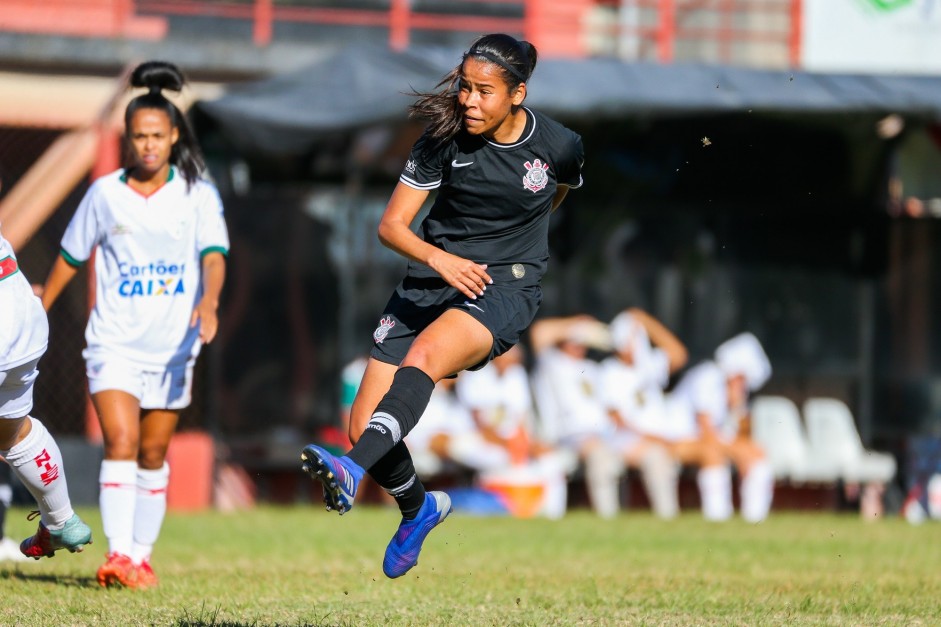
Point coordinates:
pixel 572 416
pixel 25 444
pixel 445 435
pixel 633 380
pixel 712 399
pixel 161 242
pixel 500 402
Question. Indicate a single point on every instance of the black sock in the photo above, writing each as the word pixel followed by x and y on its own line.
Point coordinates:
pixel 397 413
pixel 395 473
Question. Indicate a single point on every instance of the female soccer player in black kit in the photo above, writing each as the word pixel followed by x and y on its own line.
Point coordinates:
pixel 472 286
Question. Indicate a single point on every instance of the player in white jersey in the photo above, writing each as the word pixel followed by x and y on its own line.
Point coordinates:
pixel 25 444
pixel 160 240
pixel 633 380
pixel 445 434
pixel 572 416
pixel 712 399
pixel 500 401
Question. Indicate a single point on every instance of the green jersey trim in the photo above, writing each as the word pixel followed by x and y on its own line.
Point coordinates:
pixel 214 249
pixel 69 259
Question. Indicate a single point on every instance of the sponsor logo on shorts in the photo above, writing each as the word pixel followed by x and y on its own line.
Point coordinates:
pixel 385 325
pixel 535 178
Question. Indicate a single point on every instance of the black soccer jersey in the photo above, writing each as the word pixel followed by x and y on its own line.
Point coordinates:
pixel 494 200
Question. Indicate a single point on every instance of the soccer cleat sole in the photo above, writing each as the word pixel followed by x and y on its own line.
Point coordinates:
pixel 315 467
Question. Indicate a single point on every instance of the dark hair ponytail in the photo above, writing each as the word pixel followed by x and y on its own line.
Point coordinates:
pixel 157 76
pixel 516 60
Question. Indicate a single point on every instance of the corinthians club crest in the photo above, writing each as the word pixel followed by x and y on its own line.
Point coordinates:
pixel 535 178
pixel 385 325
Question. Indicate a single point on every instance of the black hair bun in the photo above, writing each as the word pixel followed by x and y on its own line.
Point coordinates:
pixel 157 76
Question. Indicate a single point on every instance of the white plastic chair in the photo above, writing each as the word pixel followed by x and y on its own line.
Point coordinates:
pixel 832 433
pixel 776 426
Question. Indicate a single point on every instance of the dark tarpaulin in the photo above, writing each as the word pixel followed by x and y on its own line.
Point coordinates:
pixel 362 86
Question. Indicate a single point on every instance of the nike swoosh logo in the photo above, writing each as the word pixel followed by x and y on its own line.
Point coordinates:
pixel 455 164
pixel 470 304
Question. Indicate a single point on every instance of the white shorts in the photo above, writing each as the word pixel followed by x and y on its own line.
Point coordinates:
pixel 16 389
pixel 167 388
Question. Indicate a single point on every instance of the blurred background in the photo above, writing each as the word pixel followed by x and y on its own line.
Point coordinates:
pixel 763 165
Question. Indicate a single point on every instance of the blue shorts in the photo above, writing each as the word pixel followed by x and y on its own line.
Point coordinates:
pixel 506 311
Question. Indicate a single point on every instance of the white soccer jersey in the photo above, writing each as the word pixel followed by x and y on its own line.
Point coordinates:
pixel 443 415
pixel 635 391
pixel 504 400
pixel 703 390
pixel 569 400
pixel 148 274
pixel 24 330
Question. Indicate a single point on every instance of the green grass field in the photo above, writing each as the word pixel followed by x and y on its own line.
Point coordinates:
pixel 303 566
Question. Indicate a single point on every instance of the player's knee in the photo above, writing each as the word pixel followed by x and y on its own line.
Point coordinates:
pixel 121 446
pixel 420 356
pixel 152 455
pixel 12 432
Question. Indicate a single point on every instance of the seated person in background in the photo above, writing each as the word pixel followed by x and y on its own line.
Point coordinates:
pixel 567 384
pixel 446 434
pixel 565 381
pixel 500 402
pixel 633 383
pixel 712 401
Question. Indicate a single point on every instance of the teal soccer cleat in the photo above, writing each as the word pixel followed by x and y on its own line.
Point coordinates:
pixel 73 537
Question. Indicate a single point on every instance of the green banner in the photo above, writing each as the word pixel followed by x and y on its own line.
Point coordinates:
pixel 888 5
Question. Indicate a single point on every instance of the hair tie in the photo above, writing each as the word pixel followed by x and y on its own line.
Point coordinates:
pixel 495 59
pixel 155 90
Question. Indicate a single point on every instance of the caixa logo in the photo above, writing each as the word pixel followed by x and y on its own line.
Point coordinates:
pixel 151 279
pixel 151 287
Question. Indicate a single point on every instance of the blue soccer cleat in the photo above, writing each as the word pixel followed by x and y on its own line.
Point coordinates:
pixel 340 477
pixel 402 552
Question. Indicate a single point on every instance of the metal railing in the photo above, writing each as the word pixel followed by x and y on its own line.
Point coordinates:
pixel 724 31
pixel 757 32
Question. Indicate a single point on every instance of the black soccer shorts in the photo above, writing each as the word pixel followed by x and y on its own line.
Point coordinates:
pixel 506 311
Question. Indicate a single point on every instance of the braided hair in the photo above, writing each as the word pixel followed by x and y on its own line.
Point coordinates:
pixel 157 76
pixel 516 60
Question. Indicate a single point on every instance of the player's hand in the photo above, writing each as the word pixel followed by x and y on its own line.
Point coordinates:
pixel 469 278
pixel 205 316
